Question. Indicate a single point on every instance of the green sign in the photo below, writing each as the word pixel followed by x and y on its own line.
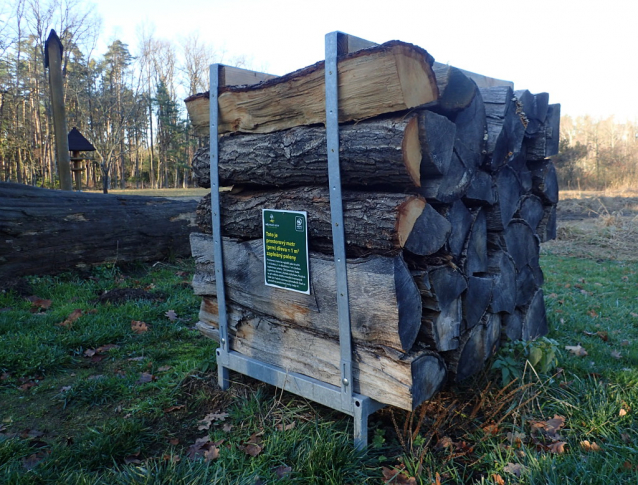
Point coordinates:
pixel 286 250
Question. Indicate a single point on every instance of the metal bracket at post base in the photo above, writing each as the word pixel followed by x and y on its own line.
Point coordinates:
pixel 304 386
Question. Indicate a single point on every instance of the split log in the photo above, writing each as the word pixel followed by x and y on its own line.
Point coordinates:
pixel 436 136
pixel 476 347
pixel 505 125
pixel 531 210
pixel 522 244
pixel 447 188
pixel 526 285
pixel 535 318
pixel 503 272
pixel 388 376
pixel 49 231
pixel 443 315
pixel 460 220
pixel 456 90
pixel 471 126
pixel 513 325
pixel 547 227
pixel 404 71
pixel 552 130
pixel 383 152
pixel 481 190
pixel 385 304
pixel 475 257
pixel 373 222
pixel 476 300
pixel 545 181
pixel 509 192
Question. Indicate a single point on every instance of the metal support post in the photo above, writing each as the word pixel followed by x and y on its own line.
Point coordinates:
pixel 217 229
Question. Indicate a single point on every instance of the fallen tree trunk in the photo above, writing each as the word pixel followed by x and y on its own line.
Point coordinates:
pixel 47 231
pixel 385 304
pixel 404 71
pixel 388 376
pixel 373 222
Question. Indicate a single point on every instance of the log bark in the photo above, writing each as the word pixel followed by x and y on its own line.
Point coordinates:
pixel 388 376
pixel 404 71
pixel 48 231
pixel 373 222
pixel 385 303
pixel 383 152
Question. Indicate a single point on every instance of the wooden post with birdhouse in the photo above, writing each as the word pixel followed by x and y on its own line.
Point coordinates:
pixel 78 144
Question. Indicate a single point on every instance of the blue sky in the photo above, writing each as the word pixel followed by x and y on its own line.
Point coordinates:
pixel 584 53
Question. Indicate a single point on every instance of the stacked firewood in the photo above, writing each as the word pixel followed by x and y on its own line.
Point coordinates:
pixel 448 191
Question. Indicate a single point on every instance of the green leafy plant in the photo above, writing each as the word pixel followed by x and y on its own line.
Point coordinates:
pixel 541 353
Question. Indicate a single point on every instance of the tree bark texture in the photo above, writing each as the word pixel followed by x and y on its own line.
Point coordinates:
pixel 47 231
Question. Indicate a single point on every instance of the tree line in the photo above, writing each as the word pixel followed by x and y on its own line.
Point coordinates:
pixel 129 105
pixel 597 154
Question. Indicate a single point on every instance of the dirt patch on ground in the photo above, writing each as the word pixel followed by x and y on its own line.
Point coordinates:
pixel 598 225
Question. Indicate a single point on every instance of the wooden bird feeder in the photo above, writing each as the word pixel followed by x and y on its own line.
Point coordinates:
pixel 78 144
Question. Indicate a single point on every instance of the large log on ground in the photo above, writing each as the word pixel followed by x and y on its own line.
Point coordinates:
pixel 382 152
pixel 391 377
pixel 373 222
pixel 403 70
pixel 47 231
pixel 385 304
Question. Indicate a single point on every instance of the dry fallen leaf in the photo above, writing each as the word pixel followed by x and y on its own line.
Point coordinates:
pixel 491 429
pixel 170 409
pixel 286 427
pixel 515 469
pixel 164 368
pixel 622 412
pixel 577 350
pixel 38 303
pixel 171 315
pixel 587 446
pixel 145 378
pixel 106 348
pixel 498 479
pixel 138 327
pixel 73 316
pixel 209 418
pixel 616 355
pixel 397 477
pixel 282 471
pixel 557 447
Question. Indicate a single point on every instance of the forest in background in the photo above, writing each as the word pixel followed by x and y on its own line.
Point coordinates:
pixel 129 105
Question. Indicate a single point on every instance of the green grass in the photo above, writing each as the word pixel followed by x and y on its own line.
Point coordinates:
pixel 68 418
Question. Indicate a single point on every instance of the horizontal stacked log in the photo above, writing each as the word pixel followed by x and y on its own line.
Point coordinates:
pixel 446 200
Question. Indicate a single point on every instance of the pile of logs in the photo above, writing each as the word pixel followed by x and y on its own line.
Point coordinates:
pixel 448 191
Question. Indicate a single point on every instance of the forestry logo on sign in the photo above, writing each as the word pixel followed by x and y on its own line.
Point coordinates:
pixel 286 250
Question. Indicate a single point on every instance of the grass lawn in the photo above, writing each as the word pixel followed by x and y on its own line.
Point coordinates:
pixel 100 389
